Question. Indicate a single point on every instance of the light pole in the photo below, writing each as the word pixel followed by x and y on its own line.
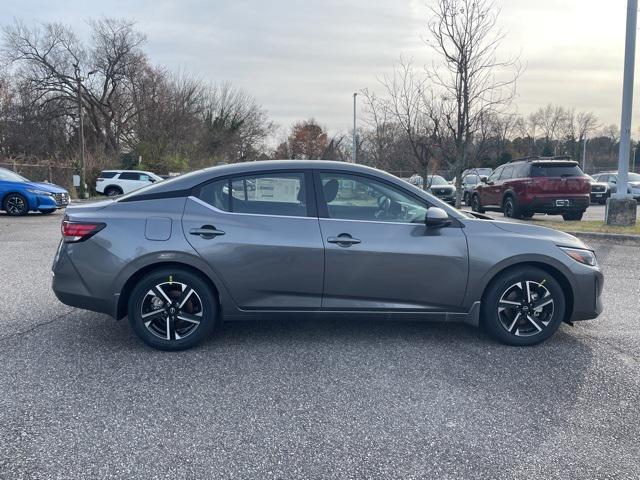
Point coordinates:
pixel 621 207
pixel 83 189
pixel 355 145
pixel 584 154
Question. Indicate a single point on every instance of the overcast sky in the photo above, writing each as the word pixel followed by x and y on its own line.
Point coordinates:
pixel 303 59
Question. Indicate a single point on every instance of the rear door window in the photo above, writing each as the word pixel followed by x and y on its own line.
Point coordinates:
pixel 556 170
pixel 108 174
pixel 281 194
pixel 129 176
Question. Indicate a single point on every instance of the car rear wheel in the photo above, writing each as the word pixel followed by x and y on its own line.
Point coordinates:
pixel 572 217
pixel 113 191
pixel 15 205
pixel 523 306
pixel 172 309
pixel 476 206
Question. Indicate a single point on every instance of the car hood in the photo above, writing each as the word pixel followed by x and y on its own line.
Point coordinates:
pixel 47 187
pixel 555 236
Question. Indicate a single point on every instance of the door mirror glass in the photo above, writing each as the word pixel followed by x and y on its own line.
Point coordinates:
pixel 436 218
pixel 483 179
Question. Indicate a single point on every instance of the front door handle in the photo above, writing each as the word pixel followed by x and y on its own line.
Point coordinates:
pixel 206 231
pixel 344 240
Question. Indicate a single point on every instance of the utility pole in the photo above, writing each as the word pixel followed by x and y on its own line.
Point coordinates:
pixel 584 154
pixel 621 207
pixel 83 193
pixel 355 144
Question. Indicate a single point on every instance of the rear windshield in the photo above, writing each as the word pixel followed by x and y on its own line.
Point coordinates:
pixel 556 170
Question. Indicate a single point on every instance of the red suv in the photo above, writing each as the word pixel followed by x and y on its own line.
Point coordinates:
pixel 552 185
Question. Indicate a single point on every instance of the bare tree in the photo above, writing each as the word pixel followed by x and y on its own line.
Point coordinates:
pixel 409 103
pixel 473 81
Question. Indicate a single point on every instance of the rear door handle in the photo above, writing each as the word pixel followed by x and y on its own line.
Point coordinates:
pixel 206 231
pixel 344 240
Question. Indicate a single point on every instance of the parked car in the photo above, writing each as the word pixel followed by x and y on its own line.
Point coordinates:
pixel 599 191
pixel 469 183
pixel 442 189
pixel 480 171
pixel 19 196
pixel 319 237
pixel 611 179
pixel 118 182
pixel 551 185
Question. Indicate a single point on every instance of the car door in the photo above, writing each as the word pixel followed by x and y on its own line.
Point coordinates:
pixel 379 253
pixel 260 234
pixel 491 191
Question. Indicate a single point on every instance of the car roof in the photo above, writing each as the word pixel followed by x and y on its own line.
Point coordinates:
pixel 192 179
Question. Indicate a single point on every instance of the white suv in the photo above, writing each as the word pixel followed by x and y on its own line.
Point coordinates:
pixel 118 182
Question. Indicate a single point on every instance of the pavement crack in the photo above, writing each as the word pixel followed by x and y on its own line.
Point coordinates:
pixel 37 325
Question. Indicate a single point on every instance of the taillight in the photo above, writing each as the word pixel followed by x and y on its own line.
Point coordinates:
pixel 73 232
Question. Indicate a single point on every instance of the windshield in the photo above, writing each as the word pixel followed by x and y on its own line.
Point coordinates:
pixel 9 176
pixel 556 170
pixel 437 180
pixel 471 179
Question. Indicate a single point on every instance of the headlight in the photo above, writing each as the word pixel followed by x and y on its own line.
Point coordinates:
pixel 586 257
pixel 39 192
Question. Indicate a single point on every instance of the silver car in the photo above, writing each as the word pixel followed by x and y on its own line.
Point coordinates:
pixel 329 238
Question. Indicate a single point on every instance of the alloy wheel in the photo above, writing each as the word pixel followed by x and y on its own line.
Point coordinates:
pixel 508 208
pixel 15 205
pixel 526 308
pixel 171 310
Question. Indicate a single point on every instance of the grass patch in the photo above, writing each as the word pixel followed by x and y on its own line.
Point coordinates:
pixel 588 226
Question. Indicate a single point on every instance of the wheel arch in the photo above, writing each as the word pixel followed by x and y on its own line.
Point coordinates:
pixel 117 187
pixel 125 291
pixel 557 274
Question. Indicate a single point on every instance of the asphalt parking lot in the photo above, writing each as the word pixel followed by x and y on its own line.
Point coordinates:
pixel 594 212
pixel 81 397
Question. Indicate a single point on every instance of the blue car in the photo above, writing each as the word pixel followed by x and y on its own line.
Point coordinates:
pixel 19 196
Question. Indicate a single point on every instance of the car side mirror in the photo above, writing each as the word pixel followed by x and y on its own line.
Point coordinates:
pixel 436 218
pixel 483 179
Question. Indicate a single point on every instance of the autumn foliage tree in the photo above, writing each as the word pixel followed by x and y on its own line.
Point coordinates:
pixel 307 141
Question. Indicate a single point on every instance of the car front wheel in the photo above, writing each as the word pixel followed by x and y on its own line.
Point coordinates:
pixel 172 309
pixel 476 206
pixel 15 205
pixel 523 306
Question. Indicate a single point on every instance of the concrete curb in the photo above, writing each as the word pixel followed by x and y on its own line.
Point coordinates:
pixel 614 238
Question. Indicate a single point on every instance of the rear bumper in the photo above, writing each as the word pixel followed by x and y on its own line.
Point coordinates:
pixel 69 287
pixel 558 204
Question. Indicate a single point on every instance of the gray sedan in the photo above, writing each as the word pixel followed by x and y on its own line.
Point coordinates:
pixel 328 238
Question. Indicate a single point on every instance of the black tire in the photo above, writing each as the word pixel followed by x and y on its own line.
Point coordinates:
pixel 602 201
pixel 476 206
pixel 572 217
pixel 509 328
pixel 15 205
pixel 199 306
pixel 510 207
pixel 113 191
pixel 527 215
pixel 47 212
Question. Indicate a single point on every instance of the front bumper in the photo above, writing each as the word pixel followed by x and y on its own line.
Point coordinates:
pixel 49 202
pixel 587 301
